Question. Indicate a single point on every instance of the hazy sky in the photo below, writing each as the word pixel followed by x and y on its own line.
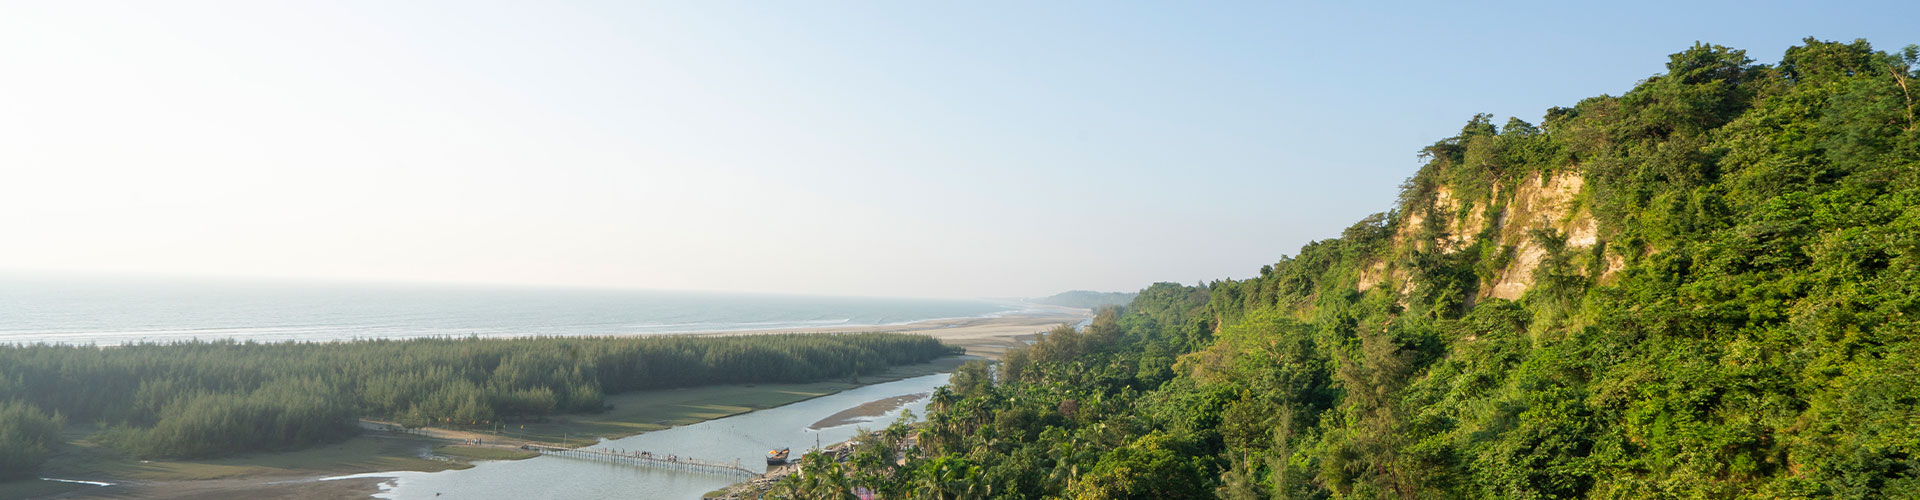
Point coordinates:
pixel 870 148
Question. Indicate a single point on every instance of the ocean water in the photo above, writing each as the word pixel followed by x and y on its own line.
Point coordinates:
pixel 103 311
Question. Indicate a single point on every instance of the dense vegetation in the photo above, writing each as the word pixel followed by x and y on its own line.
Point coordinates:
pixel 27 435
pixel 207 398
pixel 1086 299
pixel 1743 322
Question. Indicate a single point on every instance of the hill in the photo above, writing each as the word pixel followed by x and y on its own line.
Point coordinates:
pixel 1085 299
pixel 1707 287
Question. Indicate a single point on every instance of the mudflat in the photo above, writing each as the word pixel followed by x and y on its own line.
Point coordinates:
pixel 292 474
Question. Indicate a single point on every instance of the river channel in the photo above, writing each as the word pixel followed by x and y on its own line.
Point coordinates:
pixel 745 437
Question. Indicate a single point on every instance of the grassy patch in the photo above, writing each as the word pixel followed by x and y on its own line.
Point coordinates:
pixel 34 488
pixel 83 459
pixel 643 411
pixel 483 452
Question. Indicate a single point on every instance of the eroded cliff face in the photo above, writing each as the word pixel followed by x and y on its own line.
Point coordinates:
pixel 1543 206
pixel 1521 222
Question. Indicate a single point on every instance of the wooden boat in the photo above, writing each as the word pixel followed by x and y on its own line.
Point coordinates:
pixel 777 457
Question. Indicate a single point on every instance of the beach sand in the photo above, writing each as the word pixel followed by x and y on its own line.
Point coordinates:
pixel 987 337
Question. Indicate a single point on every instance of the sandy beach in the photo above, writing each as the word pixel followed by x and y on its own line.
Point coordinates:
pixel 986 337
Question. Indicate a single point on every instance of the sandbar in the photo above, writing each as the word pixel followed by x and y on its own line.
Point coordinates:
pixel 867 410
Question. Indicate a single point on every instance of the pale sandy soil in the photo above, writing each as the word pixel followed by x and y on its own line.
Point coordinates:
pixel 984 337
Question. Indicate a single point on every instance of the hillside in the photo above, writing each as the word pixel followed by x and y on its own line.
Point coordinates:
pixel 1085 299
pixel 1703 288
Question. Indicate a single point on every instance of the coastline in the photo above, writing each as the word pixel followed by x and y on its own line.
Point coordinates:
pixel 984 336
pixel 298 474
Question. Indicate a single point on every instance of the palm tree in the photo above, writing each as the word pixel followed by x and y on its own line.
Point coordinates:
pixel 786 487
pixel 821 478
pixel 947 478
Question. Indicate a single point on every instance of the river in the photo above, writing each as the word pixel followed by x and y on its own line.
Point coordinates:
pixel 746 437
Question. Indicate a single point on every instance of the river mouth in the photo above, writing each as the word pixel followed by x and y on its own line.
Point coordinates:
pixel 743 439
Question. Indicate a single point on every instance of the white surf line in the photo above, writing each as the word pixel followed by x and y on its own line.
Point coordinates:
pixel 76 481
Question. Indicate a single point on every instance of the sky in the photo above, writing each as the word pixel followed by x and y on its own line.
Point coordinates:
pixel 926 149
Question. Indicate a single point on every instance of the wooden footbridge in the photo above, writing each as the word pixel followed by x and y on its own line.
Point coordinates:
pixel 667 462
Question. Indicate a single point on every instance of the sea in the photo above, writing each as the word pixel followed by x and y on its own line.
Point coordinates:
pixel 112 311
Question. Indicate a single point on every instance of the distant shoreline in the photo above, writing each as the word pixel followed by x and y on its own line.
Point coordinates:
pixel 984 336
pixel 110 313
pixel 987 335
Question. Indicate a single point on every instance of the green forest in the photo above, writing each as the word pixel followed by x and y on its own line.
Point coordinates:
pixel 1085 299
pixel 199 399
pixel 1707 287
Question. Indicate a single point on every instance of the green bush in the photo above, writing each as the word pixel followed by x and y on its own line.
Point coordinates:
pixel 27 435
